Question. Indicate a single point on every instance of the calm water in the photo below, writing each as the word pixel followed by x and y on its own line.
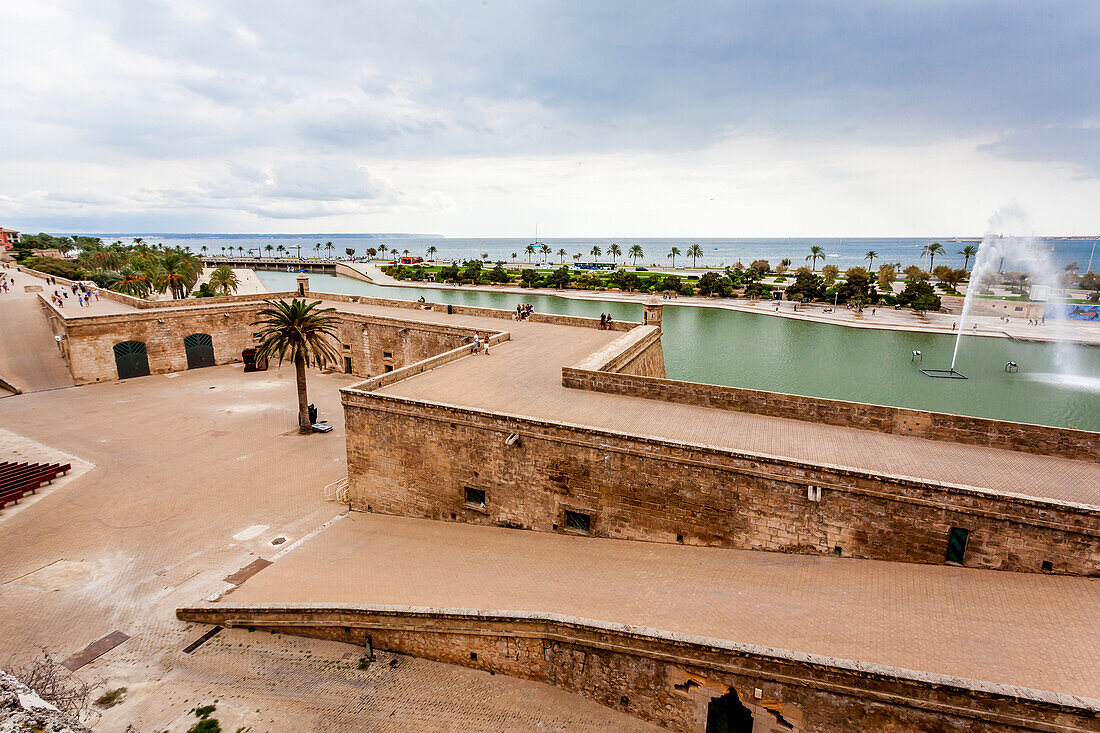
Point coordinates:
pixel 719 346
pixel 716 252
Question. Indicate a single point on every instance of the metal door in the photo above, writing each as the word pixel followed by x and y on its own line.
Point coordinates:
pixel 200 350
pixel 131 360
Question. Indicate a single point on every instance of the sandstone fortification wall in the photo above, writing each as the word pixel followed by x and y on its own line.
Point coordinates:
pixel 669 678
pixel 417 458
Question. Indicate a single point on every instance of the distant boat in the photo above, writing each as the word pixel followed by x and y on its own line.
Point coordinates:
pixel 833 254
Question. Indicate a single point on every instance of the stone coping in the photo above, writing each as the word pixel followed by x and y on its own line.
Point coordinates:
pixel 351 395
pixel 621 350
pixel 940 426
pixel 423 365
pixel 565 622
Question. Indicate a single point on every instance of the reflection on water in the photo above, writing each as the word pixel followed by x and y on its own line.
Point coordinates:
pixel 726 347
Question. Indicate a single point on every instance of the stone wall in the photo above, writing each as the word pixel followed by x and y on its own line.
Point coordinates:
pixel 669 679
pixel 374 344
pixel 637 352
pixel 416 458
pixel 1040 439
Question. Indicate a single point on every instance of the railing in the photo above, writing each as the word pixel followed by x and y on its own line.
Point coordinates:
pixel 338 491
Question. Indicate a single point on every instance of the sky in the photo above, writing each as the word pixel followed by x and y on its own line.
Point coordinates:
pixel 693 119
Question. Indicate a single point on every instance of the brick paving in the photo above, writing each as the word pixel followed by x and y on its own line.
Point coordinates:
pixel 183 463
pixel 523 377
pixel 1036 631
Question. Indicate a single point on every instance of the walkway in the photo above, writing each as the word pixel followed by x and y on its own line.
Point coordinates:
pixel 1036 631
pixel 523 377
pixel 29 357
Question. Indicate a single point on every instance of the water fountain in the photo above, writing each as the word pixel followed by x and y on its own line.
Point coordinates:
pixel 1023 253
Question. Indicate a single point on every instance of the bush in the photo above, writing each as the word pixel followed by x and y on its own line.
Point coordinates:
pixel 689 289
pixel 498 274
pixel 560 278
pixel 110 699
pixel 449 273
pixel 670 282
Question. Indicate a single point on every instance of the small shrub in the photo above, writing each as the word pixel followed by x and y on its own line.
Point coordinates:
pixel 110 699
pixel 206 725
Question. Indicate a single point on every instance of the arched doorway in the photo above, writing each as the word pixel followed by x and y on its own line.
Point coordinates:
pixel 726 714
pixel 131 360
pixel 200 350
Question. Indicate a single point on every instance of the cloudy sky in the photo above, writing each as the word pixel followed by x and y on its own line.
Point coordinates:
pixel 590 118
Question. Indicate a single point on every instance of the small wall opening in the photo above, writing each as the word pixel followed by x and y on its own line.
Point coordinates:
pixel 726 714
pixel 475 498
pixel 578 521
pixel 1047 566
pixel 956 545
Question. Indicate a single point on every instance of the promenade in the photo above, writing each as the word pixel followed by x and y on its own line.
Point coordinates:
pixel 1034 631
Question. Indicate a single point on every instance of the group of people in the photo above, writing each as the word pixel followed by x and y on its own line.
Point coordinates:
pixel 481 346
pixel 523 310
pixel 82 293
pixel 605 321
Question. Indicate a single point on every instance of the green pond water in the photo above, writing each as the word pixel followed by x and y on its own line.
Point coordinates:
pixel 720 346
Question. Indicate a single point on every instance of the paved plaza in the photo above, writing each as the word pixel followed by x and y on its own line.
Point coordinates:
pixel 193 476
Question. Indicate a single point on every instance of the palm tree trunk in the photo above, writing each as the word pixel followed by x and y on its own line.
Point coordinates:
pixel 304 425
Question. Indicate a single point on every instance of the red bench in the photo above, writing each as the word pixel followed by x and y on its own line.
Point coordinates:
pixel 19 479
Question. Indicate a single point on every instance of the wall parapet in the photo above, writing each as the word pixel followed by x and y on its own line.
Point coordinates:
pixel 649 661
pixel 424 365
pixel 1023 437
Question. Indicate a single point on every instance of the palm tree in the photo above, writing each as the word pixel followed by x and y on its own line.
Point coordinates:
pixel 614 251
pixel 138 240
pixel 530 250
pixel 317 248
pixel 967 252
pixel 382 248
pixel 562 253
pixel 223 250
pixel 432 250
pixel 303 333
pixel 816 253
pixel 280 249
pixel 405 252
pixel 223 280
pixel 694 251
pixel 269 249
pixel 131 282
pixel 203 248
pixel 870 257
pixel 596 252
pixel 545 250
pixel 673 253
pixel 932 250
pixel 514 256
pixel 329 247
pixel 636 252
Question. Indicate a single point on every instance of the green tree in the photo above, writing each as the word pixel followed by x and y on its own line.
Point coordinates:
pixel 967 252
pixel 886 276
pixel 694 251
pixel 281 249
pixel 858 287
pixel 614 251
pixel 303 333
pixel 636 252
pixel 329 247
pixel 712 283
pixel 870 257
pixel 920 295
pixel 673 253
pixel 530 250
pixel 349 251
pixel 223 280
pixel 498 274
pixel 545 250
pixel 806 286
pixel 932 250
pixel 431 252
pixel 382 248
pixel 816 253
pixel 559 278
pixel 562 253
pixel 829 272
pixel 762 267
pixel 596 252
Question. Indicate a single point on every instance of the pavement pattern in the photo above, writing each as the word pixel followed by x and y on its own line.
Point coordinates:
pixel 1037 631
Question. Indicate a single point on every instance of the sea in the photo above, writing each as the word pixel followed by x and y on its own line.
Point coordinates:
pixel 842 252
